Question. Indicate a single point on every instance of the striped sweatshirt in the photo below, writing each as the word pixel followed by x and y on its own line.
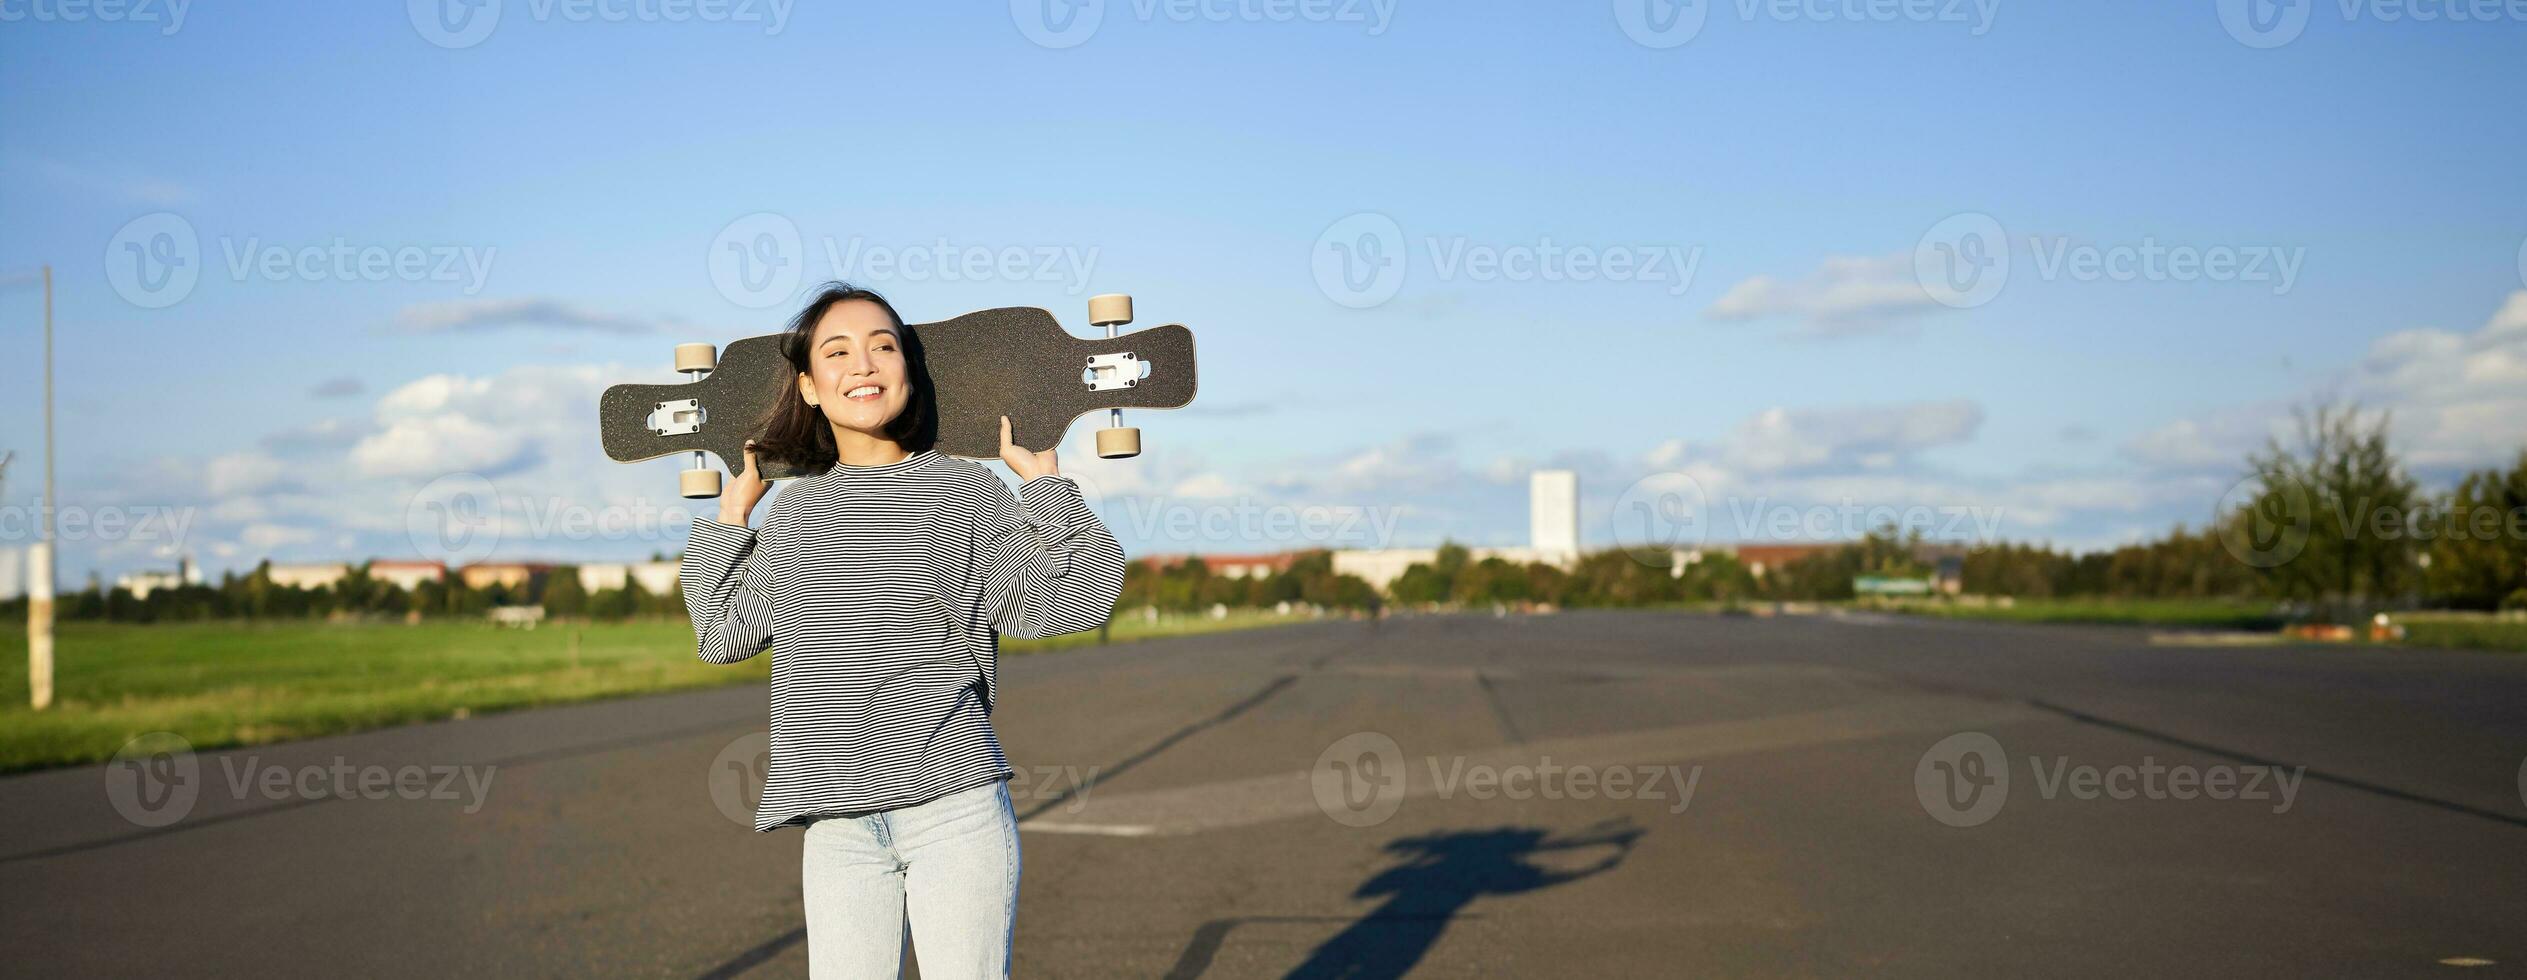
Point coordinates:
pixel 883 590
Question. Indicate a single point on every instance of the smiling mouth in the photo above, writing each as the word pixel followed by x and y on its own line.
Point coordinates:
pixel 864 393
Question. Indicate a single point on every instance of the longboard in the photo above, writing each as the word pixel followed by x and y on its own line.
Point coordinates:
pixel 1014 361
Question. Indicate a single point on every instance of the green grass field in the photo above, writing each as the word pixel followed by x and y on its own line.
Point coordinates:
pixel 2464 632
pixel 2188 613
pixel 225 684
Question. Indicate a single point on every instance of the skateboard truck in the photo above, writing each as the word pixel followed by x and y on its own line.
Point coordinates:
pixel 685 416
pixel 1113 371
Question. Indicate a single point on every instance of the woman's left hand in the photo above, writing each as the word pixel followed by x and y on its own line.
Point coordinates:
pixel 1028 465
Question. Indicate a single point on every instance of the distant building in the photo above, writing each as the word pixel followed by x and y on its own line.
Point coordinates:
pixel 308 575
pixel 141 584
pixel 1552 536
pixel 12 572
pixel 506 574
pixel 1553 515
pixel 655 577
pixel 1230 566
pixel 407 575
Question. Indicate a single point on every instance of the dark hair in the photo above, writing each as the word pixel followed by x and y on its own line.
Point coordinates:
pixel 797 434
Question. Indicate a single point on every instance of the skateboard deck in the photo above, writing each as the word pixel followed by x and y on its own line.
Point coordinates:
pixel 1015 361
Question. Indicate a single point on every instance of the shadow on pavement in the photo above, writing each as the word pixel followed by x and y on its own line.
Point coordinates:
pixel 1440 874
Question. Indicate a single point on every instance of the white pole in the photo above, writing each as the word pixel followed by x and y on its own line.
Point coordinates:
pixel 39 571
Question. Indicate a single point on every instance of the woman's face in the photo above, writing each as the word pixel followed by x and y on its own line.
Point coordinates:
pixel 855 368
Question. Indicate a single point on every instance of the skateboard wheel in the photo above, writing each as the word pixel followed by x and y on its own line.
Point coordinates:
pixel 1118 443
pixel 1110 309
pixel 698 483
pixel 697 357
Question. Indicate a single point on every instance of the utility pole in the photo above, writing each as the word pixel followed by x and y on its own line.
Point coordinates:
pixel 39 570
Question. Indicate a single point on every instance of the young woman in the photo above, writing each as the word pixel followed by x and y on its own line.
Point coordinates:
pixel 885 578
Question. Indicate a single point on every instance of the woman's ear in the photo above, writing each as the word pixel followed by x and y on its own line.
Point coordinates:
pixel 807 390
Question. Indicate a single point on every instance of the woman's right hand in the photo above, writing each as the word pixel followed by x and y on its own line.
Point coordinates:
pixel 737 500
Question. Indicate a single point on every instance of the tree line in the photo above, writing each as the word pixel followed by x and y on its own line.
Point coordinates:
pixel 357 595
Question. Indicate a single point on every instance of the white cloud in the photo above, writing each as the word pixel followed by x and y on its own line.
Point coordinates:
pixel 1875 437
pixel 1845 294
pixel 451 316
pixel 2460 399
pixel 245 472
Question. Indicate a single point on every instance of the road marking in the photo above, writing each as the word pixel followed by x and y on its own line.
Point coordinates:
pixel 1093 829
pixel 2465 961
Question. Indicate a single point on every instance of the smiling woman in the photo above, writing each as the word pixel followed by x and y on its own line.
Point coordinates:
pixel 887 576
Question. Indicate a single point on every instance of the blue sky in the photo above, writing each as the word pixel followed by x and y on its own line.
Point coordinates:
pixel 573 173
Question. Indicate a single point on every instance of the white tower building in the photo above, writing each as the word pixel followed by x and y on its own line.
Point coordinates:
pixel 1553 516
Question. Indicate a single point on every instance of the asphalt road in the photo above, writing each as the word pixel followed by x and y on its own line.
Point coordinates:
pixel 1761 797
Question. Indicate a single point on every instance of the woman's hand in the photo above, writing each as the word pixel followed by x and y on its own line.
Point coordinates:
pixel 737 500
pixel 1028 465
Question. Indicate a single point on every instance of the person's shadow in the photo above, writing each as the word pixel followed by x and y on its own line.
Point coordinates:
pixel 1439 876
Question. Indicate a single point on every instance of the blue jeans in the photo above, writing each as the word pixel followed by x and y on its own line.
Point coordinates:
pixel 951 862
